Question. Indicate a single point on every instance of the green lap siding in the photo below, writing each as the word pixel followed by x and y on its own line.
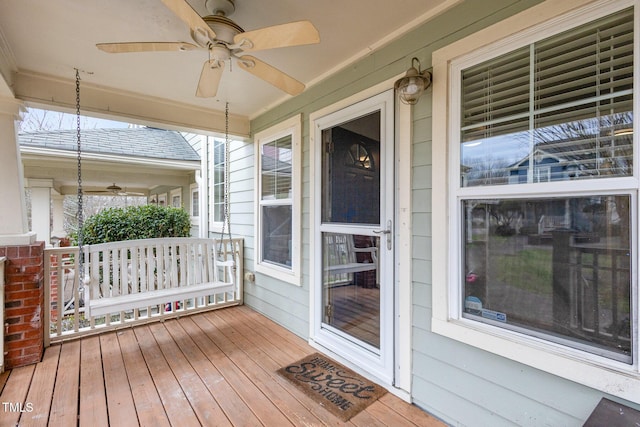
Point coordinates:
pixel 460 384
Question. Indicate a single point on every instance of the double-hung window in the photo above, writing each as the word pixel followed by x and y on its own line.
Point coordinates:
pixel 542 193
pixel 278 151
pixel 217 175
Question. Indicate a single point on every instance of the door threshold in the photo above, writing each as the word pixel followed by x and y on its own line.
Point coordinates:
pixel 398 392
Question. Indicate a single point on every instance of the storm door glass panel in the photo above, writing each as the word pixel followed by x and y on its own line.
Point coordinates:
pixel 351 280
pixel 351 172
pixel 351 194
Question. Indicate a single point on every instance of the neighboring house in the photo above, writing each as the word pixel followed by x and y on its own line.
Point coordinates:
pixel 547 168
pixel 393 260
pixel 141 161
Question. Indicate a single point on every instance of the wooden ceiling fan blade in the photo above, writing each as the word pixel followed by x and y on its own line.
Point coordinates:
pixel 145 47
pixel 189 16
pixel 284 35
pixel 210 78
pixel 270 74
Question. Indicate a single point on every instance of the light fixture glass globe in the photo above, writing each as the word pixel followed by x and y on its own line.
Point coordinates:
pixel 410 89
pixel 412 85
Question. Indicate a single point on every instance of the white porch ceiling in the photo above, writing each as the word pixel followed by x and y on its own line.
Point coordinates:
pixel 46 40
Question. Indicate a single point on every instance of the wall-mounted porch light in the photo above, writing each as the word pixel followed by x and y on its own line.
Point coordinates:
pixel 411 86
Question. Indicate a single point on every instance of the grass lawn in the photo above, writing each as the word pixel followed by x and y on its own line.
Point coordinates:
pixel 528 269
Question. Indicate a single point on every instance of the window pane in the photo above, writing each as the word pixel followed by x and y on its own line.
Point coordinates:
pixel 218 177
pixel 276 160
pixel 195 203
pixel 218 212
pixel 557 268
pixel 277 235
pixel 561 109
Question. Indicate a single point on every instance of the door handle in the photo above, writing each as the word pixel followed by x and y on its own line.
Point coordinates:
pixel 386 231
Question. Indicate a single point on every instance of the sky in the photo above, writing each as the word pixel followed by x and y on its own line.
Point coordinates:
pixel 36 119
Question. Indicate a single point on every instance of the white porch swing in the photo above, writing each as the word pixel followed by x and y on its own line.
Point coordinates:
pixel 151 274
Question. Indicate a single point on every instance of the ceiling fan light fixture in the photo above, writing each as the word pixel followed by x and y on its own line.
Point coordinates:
pixel 115 188
pixel 224 40
pixel 413 84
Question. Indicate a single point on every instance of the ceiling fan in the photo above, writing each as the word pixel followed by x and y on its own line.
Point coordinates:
pixel 224 40
pixel 115 190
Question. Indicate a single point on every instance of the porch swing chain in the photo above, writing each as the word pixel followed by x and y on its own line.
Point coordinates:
pixel 227 218
pixel 80 195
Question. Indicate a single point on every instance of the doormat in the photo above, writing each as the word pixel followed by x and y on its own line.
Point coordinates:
pixel 335 387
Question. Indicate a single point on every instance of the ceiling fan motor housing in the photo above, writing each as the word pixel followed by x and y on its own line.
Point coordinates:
pixel 220 7
pixel 224 27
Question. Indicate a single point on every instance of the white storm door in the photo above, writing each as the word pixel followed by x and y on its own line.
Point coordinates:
pixel 354 233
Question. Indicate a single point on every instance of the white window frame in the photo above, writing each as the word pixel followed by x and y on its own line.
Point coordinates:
pixel 214 226
pixel 539 22
pixel 292 127
pixel 176 192
pixel 194 191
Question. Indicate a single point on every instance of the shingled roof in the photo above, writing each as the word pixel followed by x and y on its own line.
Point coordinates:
pixel 130 142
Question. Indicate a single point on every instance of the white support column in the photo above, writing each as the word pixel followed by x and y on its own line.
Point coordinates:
pixel 41 208
pixel 57 206
pixel 14 228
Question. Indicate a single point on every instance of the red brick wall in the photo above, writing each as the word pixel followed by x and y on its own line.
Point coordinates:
pixel 24 304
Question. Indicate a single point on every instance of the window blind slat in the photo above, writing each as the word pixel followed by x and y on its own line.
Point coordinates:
pixel 577 76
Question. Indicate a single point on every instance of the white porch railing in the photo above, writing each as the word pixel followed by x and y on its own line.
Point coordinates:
pixel 2 260
pixel 66 312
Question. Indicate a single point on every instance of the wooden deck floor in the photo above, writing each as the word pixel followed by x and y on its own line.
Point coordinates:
pixel 212 369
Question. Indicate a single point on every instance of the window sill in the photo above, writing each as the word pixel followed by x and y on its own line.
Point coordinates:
pixel 281 274
pixel 615 378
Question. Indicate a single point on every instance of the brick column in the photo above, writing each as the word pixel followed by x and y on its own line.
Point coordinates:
pixel 24 302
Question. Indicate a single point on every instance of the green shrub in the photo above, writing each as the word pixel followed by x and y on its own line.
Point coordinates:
pixel 135 222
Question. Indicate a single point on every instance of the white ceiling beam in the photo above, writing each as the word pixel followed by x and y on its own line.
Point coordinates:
pixel 126 106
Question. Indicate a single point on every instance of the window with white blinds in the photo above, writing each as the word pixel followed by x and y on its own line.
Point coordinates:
pixel 278 202
pixel 558 109
pixel 564 104
pixel 536 223
pixel 276 213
